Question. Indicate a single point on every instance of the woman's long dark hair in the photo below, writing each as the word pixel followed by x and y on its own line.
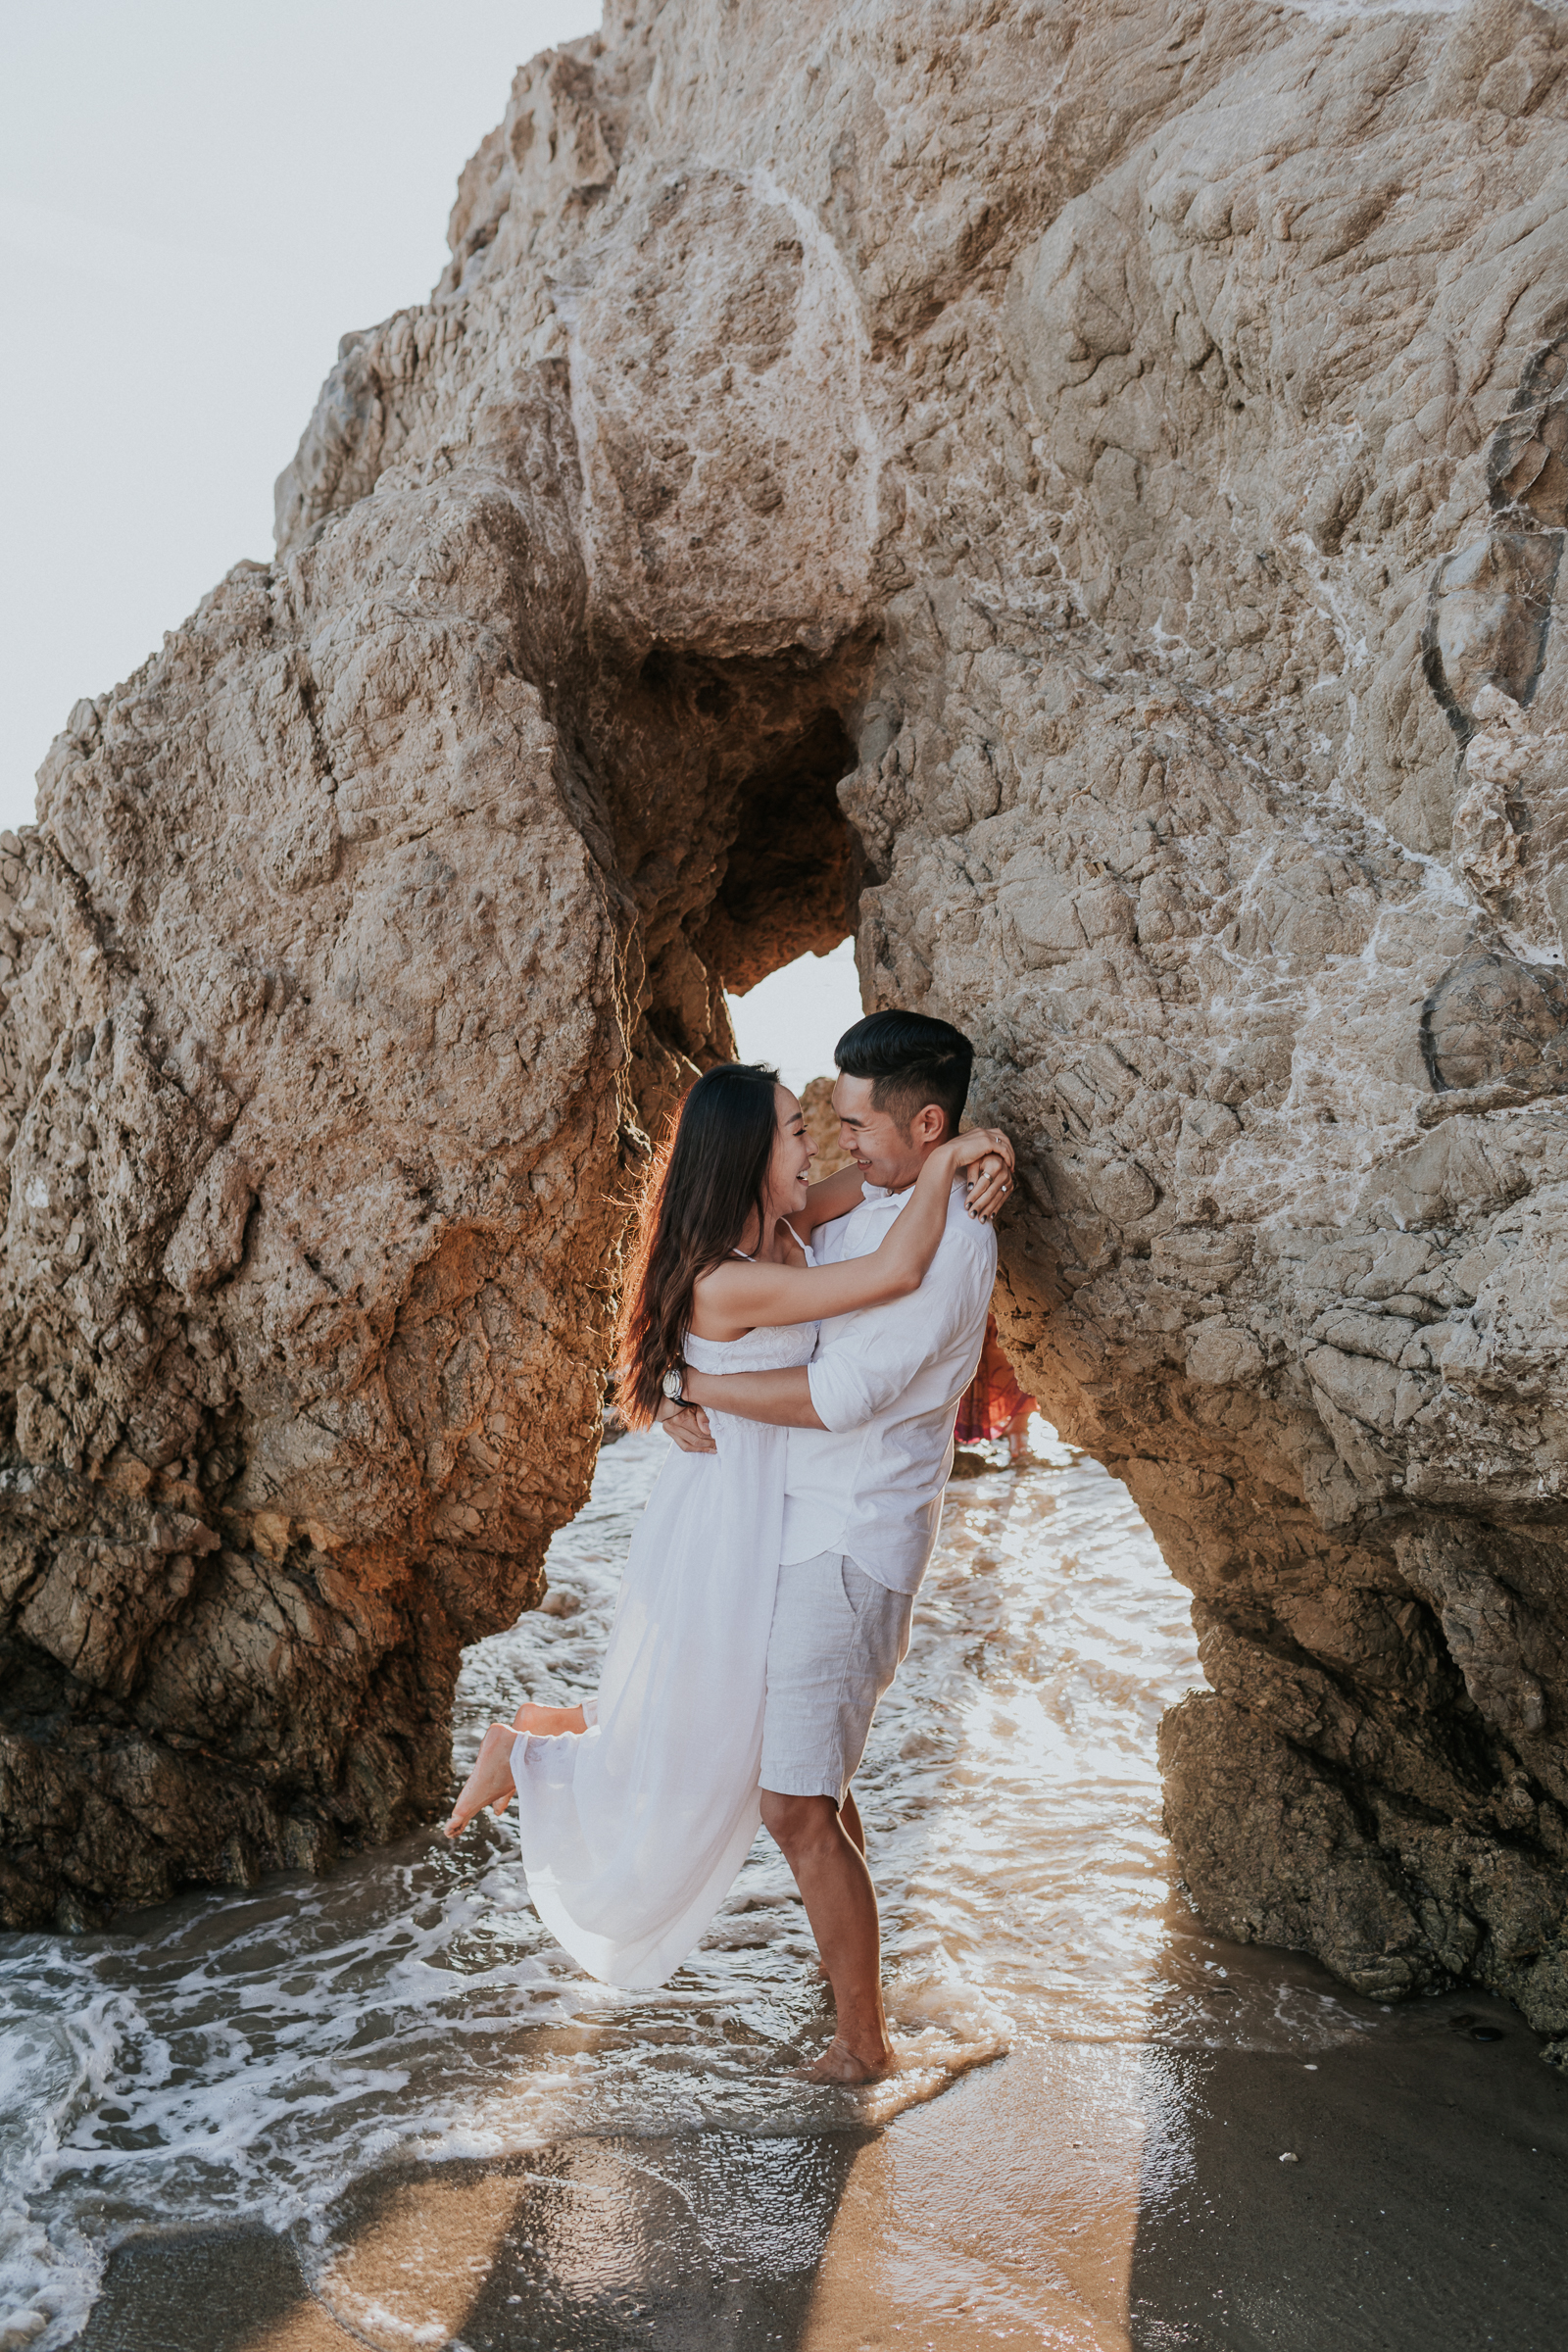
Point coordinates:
pixel 708 1183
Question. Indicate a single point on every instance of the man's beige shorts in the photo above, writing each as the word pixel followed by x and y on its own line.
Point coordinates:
pixel 837 1640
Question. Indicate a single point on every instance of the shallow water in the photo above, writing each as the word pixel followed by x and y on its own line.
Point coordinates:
pixel 245 2056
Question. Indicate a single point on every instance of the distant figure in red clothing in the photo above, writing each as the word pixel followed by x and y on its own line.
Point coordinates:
pixel 993 1405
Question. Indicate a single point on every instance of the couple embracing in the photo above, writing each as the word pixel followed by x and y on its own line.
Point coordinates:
pixel 806 1346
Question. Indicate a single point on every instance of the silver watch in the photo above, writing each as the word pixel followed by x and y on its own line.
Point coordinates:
pixel 674 1384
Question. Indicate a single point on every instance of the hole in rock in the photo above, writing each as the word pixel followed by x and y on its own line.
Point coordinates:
pixel 795 1017
pixel 723 777
pixel 790 880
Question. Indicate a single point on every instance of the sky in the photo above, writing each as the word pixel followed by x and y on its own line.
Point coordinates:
pixel 795 1017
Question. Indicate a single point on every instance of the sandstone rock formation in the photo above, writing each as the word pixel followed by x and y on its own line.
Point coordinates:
pixel 1077 495
pixel 823 1126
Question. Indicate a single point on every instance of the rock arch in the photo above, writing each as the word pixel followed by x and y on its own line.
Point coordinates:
pixel 1001 476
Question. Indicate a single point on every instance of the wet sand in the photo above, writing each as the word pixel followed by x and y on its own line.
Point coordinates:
pixel 1073 2194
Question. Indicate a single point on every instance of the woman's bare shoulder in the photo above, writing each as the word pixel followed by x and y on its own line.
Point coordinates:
pixel 793 1253
pixel 715 1282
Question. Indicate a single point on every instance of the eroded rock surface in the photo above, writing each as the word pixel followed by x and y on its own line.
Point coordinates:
pixel 1079 493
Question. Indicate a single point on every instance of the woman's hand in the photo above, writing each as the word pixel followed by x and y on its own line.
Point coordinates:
pixel 988 1152
pixel 686 1425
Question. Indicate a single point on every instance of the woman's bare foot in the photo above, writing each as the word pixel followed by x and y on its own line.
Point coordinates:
pixel 546 1722
pixel 490 1782
pixel 838 2064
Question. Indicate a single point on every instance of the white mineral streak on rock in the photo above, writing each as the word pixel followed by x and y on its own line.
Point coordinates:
pixel 702 415
pixel 1518 870
pixel 1091 487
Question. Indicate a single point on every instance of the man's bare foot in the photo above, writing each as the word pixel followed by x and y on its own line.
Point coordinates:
pixel 546 1722
pixel 490 1782
pixel 838 2064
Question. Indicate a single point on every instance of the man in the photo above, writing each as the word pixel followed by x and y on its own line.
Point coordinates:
pixel 871 1445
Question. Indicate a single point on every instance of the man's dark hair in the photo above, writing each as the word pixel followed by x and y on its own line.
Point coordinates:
pixel 910 1060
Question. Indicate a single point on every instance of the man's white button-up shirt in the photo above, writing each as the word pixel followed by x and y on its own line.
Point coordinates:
pixel 886 1381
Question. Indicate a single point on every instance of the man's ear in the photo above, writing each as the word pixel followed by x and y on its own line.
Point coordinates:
pixel 929 1125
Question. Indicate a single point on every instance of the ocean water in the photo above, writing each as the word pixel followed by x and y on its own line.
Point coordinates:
pixel 244 2056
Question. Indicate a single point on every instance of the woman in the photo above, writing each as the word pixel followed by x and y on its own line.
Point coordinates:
pixel 993 1405
pixel 637 1810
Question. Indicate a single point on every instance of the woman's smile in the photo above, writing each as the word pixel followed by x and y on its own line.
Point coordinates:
pixel 792 1184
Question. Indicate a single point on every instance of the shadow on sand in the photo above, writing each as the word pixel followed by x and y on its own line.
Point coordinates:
pixel 696 2244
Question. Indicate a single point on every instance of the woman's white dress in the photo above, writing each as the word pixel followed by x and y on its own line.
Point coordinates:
pixel 633 1830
